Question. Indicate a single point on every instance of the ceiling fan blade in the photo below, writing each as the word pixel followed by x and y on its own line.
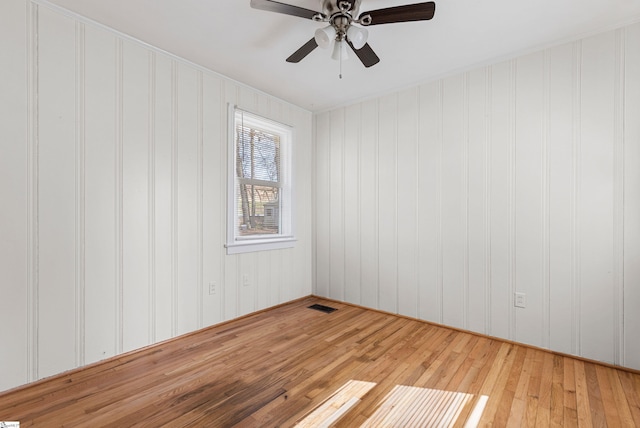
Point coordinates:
pixel 287 9
pixel 366 55
pixel 406 13
pixel 305 50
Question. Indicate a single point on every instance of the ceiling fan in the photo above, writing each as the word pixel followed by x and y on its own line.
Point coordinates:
pixel 341 31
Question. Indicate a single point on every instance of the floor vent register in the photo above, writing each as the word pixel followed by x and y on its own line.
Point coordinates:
pixel 322 308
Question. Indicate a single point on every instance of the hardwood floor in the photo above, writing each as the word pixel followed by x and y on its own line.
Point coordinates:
pixel 274 368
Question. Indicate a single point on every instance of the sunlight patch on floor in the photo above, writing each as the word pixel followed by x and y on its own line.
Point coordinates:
pixel 403 407
pixel 337 405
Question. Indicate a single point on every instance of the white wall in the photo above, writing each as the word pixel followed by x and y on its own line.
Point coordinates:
pixel 112 182
pixel 442 200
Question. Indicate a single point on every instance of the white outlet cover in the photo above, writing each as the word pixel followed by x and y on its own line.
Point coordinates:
pixel 520 300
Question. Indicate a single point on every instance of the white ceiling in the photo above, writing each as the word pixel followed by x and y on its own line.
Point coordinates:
pixel 250 46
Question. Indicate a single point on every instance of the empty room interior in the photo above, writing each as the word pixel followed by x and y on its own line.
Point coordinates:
pixel 319 213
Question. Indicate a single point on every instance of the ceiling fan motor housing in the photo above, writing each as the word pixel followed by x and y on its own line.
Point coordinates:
pixel 331 7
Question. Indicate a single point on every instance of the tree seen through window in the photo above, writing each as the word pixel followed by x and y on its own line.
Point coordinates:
pixel 258 173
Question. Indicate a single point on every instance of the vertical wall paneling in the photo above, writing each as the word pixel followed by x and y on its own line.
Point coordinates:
pixel 15 175
pixel 388 202
pixel 453 187
pixel 337 211
pixel 100 195
pixel 287 287
pixel 119 196
pixel 560 153
pixel 429 215
pixel 631 291
pixel 464 200
pixel 263 283
pixel 488 203
pixel 546 211
pixel 407 191
pixel 162 188
pixel 174 197
pixel 213 187
pixel 576 164
pixel 618 199
pixel 368 221
pixel 244 287
pixel 57 193
pixel 352 212
pixel 151 199
pixel 501 293
pixel 529 179
pixel 477 193
pixel 299 259
pixel 135 196
pixel 513 81
pixel 188 290
pixel 596 196
pixel 32 190
pixel 304 173
pixel 276 271
pixel 223 152
pixel 199 202
pixel 314 207
pixel 80 194
pixel 322 223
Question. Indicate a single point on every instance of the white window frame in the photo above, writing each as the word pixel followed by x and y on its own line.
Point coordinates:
pixel 237 244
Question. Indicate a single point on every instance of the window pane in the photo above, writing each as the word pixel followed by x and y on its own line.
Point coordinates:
pixel 258 210
pixel 258 154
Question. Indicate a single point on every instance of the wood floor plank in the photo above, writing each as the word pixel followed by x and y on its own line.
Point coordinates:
pixel 610 411
pixel 570 394
pixel 540 413
pixel 631 391
pixel 598 416
pixel 508 391
pixel 272 368
pixel 583 401
pixel 518 411
pixel 557 393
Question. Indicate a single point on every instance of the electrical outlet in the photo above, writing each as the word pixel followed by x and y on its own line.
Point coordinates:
pixel 520 300
pixel 212 288
pixel 245 280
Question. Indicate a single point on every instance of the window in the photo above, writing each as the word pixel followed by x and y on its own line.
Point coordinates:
pixel 260 197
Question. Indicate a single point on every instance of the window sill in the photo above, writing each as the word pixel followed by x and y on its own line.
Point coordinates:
pixel 253 245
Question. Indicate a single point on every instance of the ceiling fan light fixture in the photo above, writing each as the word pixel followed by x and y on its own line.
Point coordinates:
pixel 340 51
pixel 325 36
pixel 357 36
